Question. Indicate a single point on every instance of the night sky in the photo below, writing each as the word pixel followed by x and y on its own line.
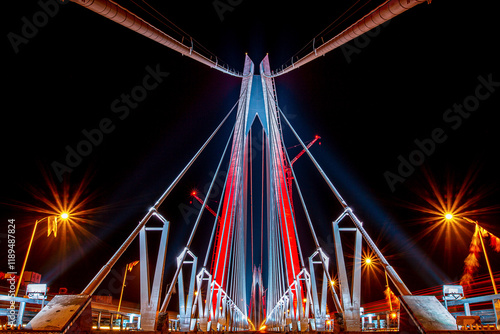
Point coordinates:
pixel 374 103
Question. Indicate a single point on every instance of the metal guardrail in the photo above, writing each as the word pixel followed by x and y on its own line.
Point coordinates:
pixel 495 299
pixel 99 315
pixel 16 312
pixel 387 321
pixel 11 313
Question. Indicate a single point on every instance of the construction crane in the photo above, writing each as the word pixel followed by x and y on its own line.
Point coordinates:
pixel 194 193
pixel 288 169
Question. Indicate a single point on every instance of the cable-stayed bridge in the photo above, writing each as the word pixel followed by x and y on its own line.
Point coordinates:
pixel 213 292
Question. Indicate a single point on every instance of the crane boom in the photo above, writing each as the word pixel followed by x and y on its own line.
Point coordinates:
pixel 218 228
pixel 288 169
pixel 304 150
pixel 194 194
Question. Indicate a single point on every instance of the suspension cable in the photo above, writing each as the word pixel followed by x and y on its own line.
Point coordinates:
pixel 286 197
pixel 172 26
pixel 262 200
pixel 316 243
pixel 251 188
pixel 101 275
pixel 190 163
pixel 208 195
pixel 325 269
pixel 129 20
pixel 381 14
pixel 318 167
pixel 328 29
pixel 191 237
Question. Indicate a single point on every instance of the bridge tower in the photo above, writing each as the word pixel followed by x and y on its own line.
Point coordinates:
pixel 215 298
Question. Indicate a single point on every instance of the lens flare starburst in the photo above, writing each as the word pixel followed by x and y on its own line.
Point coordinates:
pixel 68 211
pixel 372 271
pixel 447 221
pixel 444 205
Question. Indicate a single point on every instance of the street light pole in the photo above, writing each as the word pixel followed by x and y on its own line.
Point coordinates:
pixel 484 251
pixel 123 288
pixel 488 264
pixel 26 257
pixel 63 216
pixel 449 216
pixel 128 267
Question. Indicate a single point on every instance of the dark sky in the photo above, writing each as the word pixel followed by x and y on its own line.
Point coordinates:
pixel 372 102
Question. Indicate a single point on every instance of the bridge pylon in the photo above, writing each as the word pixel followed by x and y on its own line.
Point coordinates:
pixel 296 292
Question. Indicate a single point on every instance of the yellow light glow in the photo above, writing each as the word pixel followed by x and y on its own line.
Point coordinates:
pixel 53 201
pixel 443 201
pixel 332 282
pixel 368 260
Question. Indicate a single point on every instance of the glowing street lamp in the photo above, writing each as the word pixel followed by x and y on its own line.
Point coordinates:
pixel 51 220
pixel 370 262
pixel 451 217
pixel 129 267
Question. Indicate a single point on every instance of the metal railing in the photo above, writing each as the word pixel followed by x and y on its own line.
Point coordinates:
pixel 466 302
pixel 16 309
pixel 108 319
pixel 380 321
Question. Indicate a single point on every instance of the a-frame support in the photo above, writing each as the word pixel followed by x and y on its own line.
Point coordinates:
pixel 319 305
pixel 202 295
pixel 186 303
pixel 150 295
pixel 351 299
